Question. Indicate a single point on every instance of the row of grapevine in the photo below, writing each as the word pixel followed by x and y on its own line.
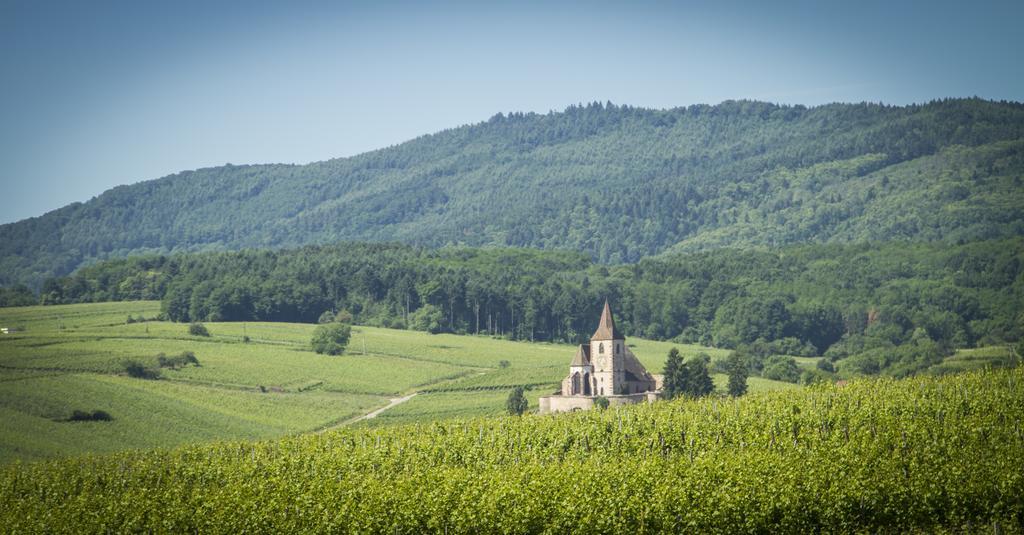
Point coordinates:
pixel 922 454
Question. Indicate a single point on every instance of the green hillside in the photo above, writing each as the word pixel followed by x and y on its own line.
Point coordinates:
pixel 615 182
pixel 920 455
pixel 71 357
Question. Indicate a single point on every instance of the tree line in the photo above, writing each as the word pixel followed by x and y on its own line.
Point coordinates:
pixel 895 307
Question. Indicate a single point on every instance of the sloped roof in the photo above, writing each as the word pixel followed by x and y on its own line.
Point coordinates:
pixel 633 366
pixel 582 357
pixel 606 326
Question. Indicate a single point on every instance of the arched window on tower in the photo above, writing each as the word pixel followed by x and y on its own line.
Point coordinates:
pixel 600 349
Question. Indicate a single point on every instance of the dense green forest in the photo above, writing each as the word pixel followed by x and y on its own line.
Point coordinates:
pixel 617 183
pixel 889 307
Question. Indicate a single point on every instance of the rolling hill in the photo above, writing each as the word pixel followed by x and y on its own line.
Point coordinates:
pixel 616 182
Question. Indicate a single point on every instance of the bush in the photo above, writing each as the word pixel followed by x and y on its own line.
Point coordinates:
pixel 428 318
pixel 810 377
pixel 139 370
pixel 331 338
pixel 517 403
pixel 781 368
pixel 326 317
pixel 180 361
pixel 601 403
pixel 343 316
pixel 198 329
pixel 504 364
pixel 94 416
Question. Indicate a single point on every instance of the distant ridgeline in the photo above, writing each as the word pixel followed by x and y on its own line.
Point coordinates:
pixel 893 307
pixel 615 182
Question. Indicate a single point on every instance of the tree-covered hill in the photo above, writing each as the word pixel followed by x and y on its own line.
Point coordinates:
pixel 616 182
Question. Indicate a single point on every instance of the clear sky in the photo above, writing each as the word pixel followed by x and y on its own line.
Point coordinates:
pixel 99 93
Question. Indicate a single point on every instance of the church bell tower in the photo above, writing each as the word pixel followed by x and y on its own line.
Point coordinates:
pixel 607 353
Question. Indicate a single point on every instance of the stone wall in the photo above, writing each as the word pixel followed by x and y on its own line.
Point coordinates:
pixel 553 404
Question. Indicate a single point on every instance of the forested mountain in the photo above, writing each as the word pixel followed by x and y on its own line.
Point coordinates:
pixel 615 182
pixel 891 307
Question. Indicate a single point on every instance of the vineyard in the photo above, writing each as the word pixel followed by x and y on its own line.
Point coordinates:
pixel 922 454
pixel 255 380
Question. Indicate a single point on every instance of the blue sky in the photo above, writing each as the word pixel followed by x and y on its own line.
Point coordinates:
pixel 101 93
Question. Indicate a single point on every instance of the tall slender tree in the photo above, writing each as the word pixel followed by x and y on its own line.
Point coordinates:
pixel 737 367
pixel 674 375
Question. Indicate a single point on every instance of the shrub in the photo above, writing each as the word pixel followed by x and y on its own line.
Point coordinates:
pixel 198 329
pixel 180 361
pixel 428 318
pixel 90 416
pixel 504 364
pixel 326 317
pixel 601 403
pixel 139 370
pixel 331 338
pixel 780 368
pixel 517 403
pixel 94 416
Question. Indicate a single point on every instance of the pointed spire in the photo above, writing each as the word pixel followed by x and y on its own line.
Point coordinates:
pixel 606 326
pixel 582 357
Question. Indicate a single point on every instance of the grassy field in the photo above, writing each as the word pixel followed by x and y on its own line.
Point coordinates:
pixel 71 357
pixel 976 359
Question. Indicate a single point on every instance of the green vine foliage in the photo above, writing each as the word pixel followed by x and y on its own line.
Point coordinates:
pixel 923 454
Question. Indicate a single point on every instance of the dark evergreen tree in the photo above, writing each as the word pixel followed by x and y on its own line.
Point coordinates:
pixel 738 369
pixel 697 376
pixel 674 380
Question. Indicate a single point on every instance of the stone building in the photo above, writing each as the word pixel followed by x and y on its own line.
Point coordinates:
pixel 603 368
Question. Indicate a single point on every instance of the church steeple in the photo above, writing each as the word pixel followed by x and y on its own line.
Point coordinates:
pixel 606 326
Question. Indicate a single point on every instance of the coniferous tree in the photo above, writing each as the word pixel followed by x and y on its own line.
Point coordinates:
pixel 673 382
pixel 737 368
pixel 698 379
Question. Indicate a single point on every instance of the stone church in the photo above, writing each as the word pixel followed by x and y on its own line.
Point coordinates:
pixel 603 368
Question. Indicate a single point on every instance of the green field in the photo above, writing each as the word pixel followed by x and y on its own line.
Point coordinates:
pixel 921 455
pixel 70 357
pixel 977 359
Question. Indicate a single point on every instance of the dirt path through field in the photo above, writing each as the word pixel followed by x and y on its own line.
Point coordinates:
pixel 374 413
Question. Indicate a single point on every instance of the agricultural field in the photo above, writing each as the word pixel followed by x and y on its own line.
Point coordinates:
pixel 926 454
pixel 976 359
pixel 253 381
